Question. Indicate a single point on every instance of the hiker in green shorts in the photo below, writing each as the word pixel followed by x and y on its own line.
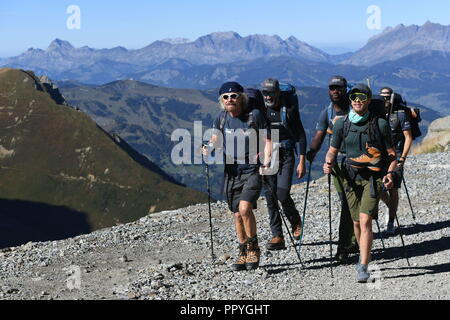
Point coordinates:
pixel 369 164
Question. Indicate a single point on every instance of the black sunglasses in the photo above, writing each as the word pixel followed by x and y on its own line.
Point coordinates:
pixel 269 93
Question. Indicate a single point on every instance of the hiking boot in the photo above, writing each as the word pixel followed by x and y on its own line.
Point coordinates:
pixel 253 255
pixel 297 230
pixel 239 264
pixel 369 160
pixel 390 228
pixel 341 256
pixel 276 243
pixel 362 274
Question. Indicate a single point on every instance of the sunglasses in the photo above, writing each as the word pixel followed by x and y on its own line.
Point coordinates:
pixel 233 96
pixel 269 93
pixel 335 87
pixel 362 97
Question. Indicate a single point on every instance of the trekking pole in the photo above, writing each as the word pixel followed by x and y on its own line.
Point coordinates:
pixel 209 210
pixel 281 212
pixel 403 242
pixel 409 200
pixel 401 236
pixel 329 216
pixel 304 206
pixel 380 233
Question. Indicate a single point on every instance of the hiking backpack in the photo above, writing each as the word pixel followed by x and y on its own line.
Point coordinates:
pixel 373 131
pixel 413 113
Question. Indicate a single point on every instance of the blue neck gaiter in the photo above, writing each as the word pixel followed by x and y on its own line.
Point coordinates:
pixel 356 118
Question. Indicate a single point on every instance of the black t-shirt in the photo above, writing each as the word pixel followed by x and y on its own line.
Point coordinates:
pixel 274 120
pixel 399 121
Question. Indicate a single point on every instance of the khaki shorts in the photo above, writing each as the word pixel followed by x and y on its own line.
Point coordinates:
pixel 360 200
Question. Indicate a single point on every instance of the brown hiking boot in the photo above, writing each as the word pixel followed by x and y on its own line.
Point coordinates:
pixel 253 255
pixel 297 230
pixel 239 264
pixel 276 243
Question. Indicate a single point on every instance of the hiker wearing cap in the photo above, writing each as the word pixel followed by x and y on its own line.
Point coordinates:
pixel 402 138
pixel 338 108
pixel 369 165
pixel 236 131
pixel 285 119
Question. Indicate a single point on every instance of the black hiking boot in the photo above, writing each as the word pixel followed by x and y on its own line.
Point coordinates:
pixel 342 256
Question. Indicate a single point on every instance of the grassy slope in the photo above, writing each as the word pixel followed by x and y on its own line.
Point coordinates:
pixel 61 157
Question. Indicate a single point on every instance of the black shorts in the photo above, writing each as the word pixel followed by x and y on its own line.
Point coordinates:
pixel 242 187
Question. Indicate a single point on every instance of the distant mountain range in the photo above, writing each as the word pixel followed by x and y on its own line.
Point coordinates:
pixel 62 175
pixel 411 59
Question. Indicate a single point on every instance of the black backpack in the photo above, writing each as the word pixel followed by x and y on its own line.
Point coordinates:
pixel 413 114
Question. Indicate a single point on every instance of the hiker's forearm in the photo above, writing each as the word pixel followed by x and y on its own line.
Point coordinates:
pixel 331 155
pixel 317 141
pixel 393 156
pixel 408 143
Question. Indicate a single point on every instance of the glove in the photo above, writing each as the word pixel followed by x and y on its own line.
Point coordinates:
pixel 310 155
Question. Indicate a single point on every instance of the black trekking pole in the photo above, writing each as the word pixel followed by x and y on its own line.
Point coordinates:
pixel 403 242
pixel 329 216
pixel 304 207
pixel 380 233
pixel 409 200
pixel 209 210
pixel 401 236
pixel 281 212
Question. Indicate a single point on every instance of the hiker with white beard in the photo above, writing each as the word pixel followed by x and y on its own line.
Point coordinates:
pixel 235 129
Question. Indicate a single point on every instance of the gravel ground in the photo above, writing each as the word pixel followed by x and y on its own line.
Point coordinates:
pixel 167 255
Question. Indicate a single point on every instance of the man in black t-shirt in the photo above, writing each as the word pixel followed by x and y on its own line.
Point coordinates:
pixel 286 120
pixel 337 109
pixel 400 126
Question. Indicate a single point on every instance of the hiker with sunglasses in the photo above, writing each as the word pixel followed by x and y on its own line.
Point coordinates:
pixel 338 108
pixel 402 137
pixel 286 120
pixel 369 164
pixel 236 130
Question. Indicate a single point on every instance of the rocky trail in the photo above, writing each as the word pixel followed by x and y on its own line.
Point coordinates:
pixel 166 256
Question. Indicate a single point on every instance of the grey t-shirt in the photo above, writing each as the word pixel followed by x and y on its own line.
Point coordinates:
pixel 236 133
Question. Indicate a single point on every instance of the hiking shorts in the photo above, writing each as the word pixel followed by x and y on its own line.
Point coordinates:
pixel 360 200
pixel 243 187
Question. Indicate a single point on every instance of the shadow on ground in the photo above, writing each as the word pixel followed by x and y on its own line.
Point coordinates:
pixel 25 221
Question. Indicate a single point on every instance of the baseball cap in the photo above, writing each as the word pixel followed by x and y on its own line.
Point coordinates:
pixel 337 81
pixel 271 85
pixel 361 87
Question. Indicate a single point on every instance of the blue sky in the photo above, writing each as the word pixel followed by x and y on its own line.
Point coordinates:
pixel 136 23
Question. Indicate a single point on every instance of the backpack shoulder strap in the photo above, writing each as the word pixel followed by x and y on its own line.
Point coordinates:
pixel 223 116
pixel 330 110
pixel 346 128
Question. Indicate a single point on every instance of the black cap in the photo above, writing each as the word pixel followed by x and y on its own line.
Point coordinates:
pixel 271 85
pixel 230 87
pixel 337 81
pixel 386 89
pixel 361 87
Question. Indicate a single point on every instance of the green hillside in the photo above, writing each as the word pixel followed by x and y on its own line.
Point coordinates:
pixel 56 155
